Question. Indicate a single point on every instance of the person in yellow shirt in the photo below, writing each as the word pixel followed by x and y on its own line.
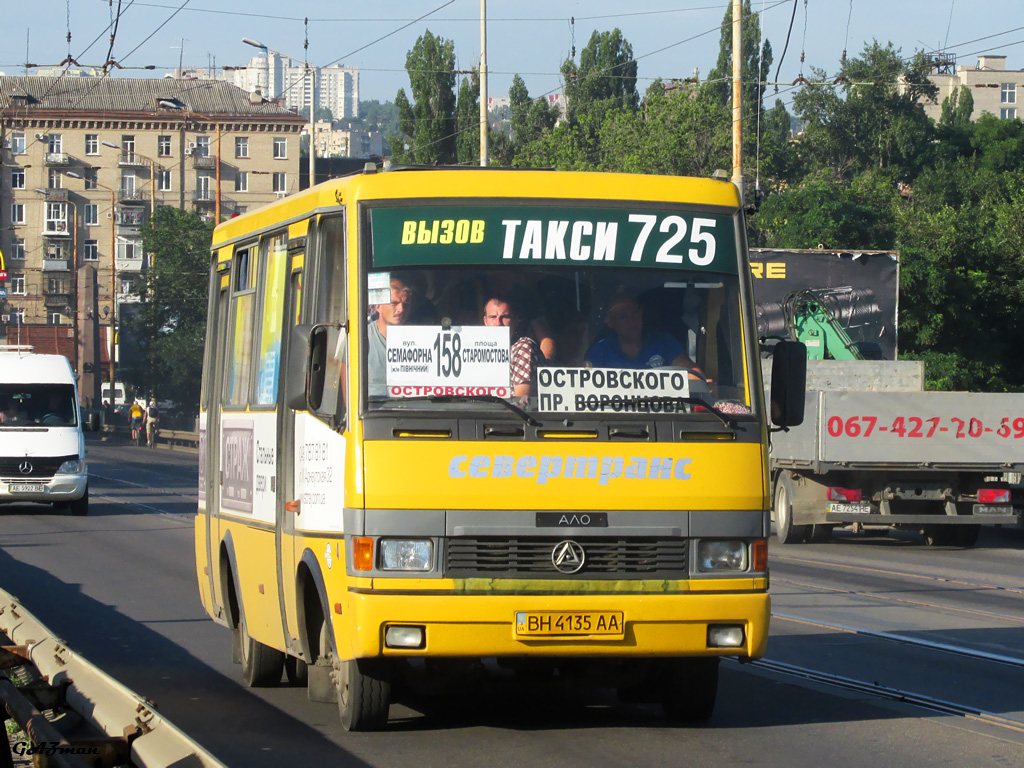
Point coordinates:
pixel 135 413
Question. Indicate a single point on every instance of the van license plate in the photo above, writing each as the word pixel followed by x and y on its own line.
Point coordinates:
pixel 569 623
pixel 26 488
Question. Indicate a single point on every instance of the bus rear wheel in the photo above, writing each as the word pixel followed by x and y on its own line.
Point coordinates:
pixel 261 665
pixel 364 694
pixel 689 689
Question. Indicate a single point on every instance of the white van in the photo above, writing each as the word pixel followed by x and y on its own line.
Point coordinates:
pixel 42 449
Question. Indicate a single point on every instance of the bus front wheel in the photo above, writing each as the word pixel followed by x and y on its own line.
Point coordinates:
pixel 364 694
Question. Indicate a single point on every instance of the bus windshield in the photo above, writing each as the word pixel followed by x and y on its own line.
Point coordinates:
pixel 558 310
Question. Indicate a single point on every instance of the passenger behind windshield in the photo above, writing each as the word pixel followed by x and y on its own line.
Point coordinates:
pixel 525 354
pixel 628 346
pixel 394 313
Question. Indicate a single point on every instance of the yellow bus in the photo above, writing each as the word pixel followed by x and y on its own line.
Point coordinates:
pixel 499 415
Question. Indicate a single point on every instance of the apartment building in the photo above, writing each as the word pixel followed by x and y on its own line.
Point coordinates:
pixel 334 140
pixel 85 162
pixel 994 88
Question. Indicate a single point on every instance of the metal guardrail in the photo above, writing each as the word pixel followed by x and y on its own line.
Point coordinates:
pixel 172 437
pixel 131 722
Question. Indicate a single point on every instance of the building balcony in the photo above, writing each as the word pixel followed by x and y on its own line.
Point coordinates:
pixel 57 158
pixel 203 196
pixel 128 265
pixel 55 299
pixel 56 228
pixel 204 163
pixel 132 217
pixel 56 195
pixel 131 160
pixel 131 196
pixel 55 265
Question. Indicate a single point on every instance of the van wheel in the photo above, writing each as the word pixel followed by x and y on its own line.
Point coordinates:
pixel 784 528
pixel 261 665
pixel 80 507
pixel 364 694
pixel 690 688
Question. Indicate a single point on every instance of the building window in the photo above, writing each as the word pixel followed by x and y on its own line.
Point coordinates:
pixel 203 186
pixel 90 215
pixel 128 182
pixel 1008 113
pixel 280 182
pixel 241 146
pixel 18 178
pixel 55 318
pixel 17 213
pixel 91 177
pixel 128 146
pixel 17 286
pixel 242 181
pixel 128 248
pixel 17 143
pixel 18 249
pixel 54 143
pixel 54 178
pixel 91 250
pixel 92 144
pixel 1008 93
pixel 163 181
pixel 202 146
pixel 163 146
pixel 280 148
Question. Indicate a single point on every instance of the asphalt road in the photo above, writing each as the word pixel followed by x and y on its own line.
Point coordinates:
pixel 119 587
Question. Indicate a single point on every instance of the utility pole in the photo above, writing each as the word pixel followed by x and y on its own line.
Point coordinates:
pixel 483 83
pixel 737 96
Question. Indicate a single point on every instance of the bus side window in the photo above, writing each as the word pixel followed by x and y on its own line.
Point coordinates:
pixel 238 367
pixel 331 307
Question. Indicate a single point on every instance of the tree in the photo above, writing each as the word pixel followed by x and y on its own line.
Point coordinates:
pixel 467 123
pixel 428 122
pixel 530 118
pixel 604 80
pixel 872 117
pixel 171 321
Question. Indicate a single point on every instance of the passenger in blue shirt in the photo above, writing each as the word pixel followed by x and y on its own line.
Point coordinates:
pixel 629 347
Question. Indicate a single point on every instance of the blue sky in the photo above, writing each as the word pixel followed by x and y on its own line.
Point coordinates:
pixel 530 37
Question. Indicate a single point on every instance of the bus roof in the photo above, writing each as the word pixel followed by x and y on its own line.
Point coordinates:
pixel 421 183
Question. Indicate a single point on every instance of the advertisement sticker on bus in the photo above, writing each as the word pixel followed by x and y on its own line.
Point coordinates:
pixel 435 356
pixel 237 465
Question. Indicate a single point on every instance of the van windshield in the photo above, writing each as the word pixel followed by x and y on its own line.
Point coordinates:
pixel 26 405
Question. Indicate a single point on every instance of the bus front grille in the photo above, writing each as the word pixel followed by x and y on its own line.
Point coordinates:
pixel 604 558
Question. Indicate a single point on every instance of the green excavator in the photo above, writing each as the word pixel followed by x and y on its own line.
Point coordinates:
pixel 809 320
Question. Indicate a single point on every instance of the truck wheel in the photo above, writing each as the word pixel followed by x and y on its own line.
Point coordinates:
pixel 689 688
pixel 939 535
pixel 364 694
pixel 261 665
pixel 784 528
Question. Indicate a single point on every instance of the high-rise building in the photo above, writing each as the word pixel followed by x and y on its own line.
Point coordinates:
pixel 287 80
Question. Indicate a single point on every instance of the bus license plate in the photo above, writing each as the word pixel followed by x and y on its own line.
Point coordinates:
pixel 26 488
pixel 850 508
pixel 569 623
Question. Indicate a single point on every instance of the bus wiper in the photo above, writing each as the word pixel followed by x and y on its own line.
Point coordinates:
pixel 476 398
pixel 696 401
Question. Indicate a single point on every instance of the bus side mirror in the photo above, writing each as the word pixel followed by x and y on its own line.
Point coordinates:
pixel 789 382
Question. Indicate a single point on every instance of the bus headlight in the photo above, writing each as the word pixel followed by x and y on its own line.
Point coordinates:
pixel 72 467
pixel 721 556
pixel 406 554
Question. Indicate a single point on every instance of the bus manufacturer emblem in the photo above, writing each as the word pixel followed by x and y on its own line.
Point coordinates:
pixel 568 556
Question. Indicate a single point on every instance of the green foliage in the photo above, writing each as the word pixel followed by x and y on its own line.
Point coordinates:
pixel 467 140
pixel 428 122
pixel 530 118
pixel 604 80
pixel 171 321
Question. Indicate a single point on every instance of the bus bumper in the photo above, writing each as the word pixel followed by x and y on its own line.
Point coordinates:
pixel 485 625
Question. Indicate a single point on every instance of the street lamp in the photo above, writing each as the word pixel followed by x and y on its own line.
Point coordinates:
pixel 129 156
pixel 312 103
pixel 113 276
pixel 179 106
